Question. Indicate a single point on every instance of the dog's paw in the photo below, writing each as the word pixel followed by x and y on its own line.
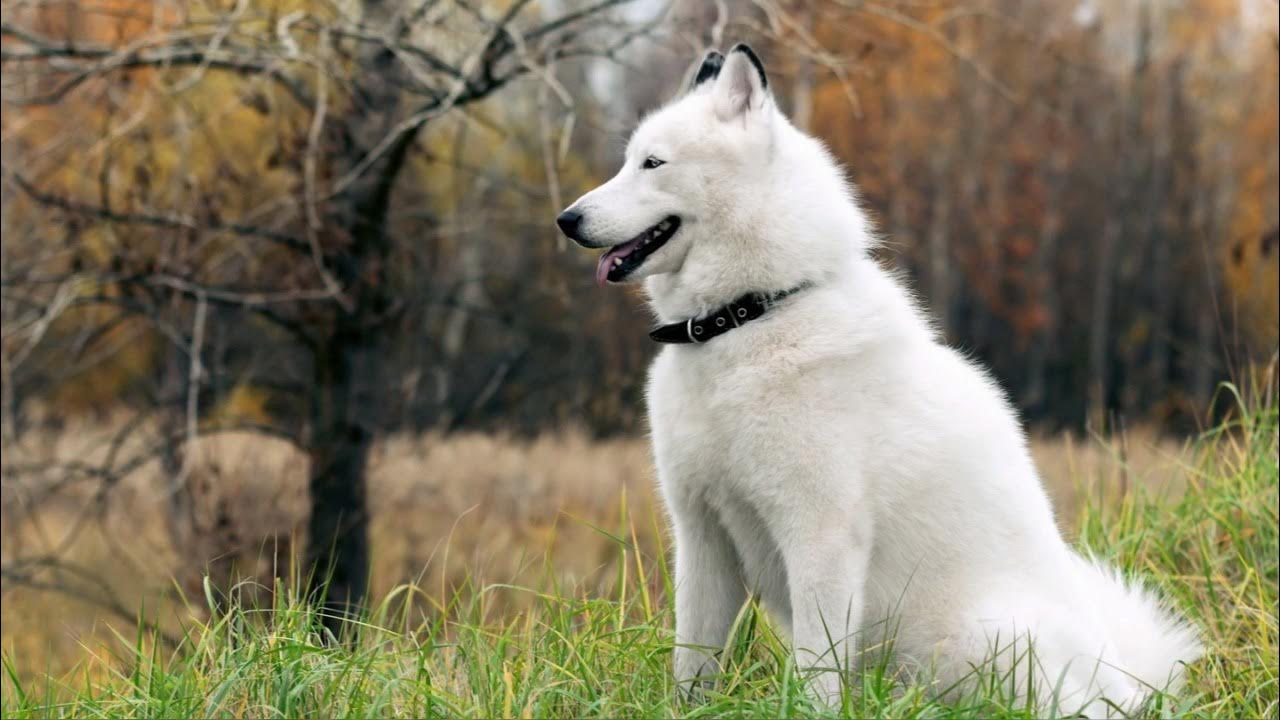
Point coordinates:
pixel 696 691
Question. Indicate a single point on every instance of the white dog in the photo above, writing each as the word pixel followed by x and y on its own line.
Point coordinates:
pixel 819 448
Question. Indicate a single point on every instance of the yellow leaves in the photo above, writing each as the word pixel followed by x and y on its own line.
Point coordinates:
pixel 244 404
pixel 485 157
pixel 115 355
pixel 1252 270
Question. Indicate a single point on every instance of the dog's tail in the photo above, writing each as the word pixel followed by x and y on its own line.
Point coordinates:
pixel 1151 641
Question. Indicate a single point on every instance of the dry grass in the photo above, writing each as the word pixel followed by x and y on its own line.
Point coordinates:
pixel 446 511
pixel 1075 469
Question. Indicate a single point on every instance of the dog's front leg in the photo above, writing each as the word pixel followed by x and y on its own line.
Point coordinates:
pixel 709 594
pixel 826 561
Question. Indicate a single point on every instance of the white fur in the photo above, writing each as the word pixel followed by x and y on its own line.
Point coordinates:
pixel 833 458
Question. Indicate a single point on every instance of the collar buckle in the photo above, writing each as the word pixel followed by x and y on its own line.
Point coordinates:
pixel 688 329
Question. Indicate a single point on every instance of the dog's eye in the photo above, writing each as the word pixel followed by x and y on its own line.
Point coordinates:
pixel 652 162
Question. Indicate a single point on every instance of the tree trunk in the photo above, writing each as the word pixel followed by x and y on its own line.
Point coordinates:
pixel 1035 395
pixel 337 534
pixel 802 83
pixel 1100 324
pixel 1120 218
pixel 1152 234
pixel 349 368
pixel 939 252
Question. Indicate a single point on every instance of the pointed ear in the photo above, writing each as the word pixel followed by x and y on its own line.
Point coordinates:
pixel 707 70
pixel 741 85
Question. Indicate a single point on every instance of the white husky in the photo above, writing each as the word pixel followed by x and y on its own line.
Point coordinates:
pixel 827 454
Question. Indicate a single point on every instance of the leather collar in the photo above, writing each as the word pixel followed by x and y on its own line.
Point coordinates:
pixel 736 314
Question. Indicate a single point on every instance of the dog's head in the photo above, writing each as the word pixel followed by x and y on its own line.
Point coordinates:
pixel 683 173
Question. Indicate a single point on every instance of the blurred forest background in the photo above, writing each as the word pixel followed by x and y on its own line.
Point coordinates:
pixel 280 278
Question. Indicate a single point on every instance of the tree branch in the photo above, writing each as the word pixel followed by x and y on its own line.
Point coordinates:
pixel 87 61
pixel 156 220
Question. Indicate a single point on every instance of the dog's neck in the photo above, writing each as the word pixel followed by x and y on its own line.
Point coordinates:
pixel 676 297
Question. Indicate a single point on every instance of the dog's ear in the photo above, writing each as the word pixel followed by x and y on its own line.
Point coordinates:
pixel 707 70
pixel 741 85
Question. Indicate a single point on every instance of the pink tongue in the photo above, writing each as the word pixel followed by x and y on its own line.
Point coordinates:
pixel 602 268
pixel 605 264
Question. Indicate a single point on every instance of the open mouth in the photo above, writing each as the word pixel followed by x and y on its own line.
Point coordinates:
pixel 622 260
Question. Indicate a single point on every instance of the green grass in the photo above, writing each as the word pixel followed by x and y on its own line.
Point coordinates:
pixel 1212 549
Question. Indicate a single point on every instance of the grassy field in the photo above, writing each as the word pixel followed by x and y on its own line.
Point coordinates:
pixel 549 598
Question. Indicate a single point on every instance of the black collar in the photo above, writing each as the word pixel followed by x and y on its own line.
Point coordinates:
pixel 735 314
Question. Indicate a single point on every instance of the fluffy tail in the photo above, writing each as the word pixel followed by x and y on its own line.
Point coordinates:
pixel 1152 642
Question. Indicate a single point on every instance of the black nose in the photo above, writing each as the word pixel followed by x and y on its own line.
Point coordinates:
pixel 569 220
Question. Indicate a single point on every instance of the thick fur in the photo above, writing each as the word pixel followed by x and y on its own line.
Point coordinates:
pixel 834 458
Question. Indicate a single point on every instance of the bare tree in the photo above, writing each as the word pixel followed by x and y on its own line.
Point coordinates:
pixel 354 85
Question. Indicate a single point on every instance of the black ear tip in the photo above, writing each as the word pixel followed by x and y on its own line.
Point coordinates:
pixel 755 61
pixel 711 64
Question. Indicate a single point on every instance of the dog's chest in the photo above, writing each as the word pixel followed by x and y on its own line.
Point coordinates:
pixel 704 412
pixel 711 442
pixel 721 429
